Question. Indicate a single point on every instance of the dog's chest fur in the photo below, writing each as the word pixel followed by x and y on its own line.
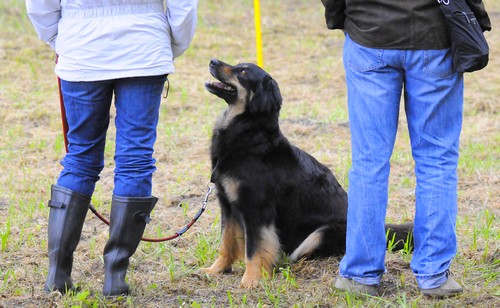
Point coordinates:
pixel 240 144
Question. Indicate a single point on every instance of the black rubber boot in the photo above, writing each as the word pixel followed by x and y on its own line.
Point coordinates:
pixel 67 214
pixel 128 219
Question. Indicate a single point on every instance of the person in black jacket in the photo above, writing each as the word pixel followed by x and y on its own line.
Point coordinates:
pixel 394 47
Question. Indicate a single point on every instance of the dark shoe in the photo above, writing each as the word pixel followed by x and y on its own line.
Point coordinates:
pixel 128 219
pixel 67 214
pixel 447 289
pixel 352 286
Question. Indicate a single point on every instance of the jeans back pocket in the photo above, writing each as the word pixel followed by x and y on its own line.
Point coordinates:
pixel 361 58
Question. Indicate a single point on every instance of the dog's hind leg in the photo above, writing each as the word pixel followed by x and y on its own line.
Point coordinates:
pixel 232 248
pixel 262 252
pixel 309 245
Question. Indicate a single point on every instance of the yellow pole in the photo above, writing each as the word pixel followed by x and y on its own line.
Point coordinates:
pixel 258 33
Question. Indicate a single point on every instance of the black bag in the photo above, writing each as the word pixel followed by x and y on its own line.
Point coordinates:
pixel 468 45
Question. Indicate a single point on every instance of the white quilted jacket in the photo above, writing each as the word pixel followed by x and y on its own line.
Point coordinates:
pixel 108 39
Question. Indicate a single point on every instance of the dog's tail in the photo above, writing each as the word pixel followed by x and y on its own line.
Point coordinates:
pixel 309 245
pixel 325 241
pixel 399 236
pixel 329 240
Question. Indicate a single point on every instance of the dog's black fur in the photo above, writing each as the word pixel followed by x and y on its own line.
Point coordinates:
pixel 273 196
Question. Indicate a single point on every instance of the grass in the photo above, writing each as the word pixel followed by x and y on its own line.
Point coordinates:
pixel 305 59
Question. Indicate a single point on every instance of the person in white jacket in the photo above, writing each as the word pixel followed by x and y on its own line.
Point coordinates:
pixel 121 49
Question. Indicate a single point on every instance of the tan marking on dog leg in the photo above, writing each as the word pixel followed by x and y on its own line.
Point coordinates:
pixel 264 259
pixel 232 248
pixel 231 187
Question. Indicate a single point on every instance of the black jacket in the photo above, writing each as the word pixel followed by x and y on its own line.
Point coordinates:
pixel 395 24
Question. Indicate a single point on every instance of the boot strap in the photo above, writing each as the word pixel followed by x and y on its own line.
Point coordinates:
pixel 142 216
pixel 56 204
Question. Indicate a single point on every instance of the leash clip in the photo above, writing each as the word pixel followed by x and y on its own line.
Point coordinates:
pixel 210 189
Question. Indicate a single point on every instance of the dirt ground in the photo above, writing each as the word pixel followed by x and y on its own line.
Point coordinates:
pixel 306 61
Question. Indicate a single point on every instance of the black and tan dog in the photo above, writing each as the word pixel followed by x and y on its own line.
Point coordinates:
pixel 274 197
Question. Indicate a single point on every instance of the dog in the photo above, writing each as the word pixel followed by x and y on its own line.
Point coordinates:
pixel 274 197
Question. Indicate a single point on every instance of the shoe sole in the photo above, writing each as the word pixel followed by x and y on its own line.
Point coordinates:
pixel 441 294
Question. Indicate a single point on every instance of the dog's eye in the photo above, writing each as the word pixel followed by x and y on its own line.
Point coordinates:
pixel 243 72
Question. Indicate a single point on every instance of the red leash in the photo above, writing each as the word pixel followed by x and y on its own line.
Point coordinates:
pixel 176 234
pixel 96 213
pixel 63 115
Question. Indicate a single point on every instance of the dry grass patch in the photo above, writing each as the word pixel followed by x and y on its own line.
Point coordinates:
pixel 305 59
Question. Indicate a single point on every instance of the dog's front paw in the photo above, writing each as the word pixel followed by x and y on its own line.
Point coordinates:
pixel 249 281
pixel 215 270
pixel 209 271
pixel 221 265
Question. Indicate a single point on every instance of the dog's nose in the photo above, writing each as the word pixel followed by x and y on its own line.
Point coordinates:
pixel 214 62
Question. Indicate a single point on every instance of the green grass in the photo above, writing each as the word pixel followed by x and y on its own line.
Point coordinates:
pixel 305 59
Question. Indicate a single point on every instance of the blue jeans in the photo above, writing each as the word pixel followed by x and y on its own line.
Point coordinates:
pixel 87 104
pixel 433 102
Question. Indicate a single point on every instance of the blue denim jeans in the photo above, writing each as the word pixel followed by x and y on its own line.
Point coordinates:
pixel 433 102
pixel 87 104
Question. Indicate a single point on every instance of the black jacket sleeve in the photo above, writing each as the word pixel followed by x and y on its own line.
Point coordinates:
pixel 334 13
pixel 477 7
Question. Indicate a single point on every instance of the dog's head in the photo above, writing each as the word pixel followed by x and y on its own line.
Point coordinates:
pixel 245 85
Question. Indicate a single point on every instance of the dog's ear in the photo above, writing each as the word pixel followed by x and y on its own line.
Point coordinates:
pixel 267 97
